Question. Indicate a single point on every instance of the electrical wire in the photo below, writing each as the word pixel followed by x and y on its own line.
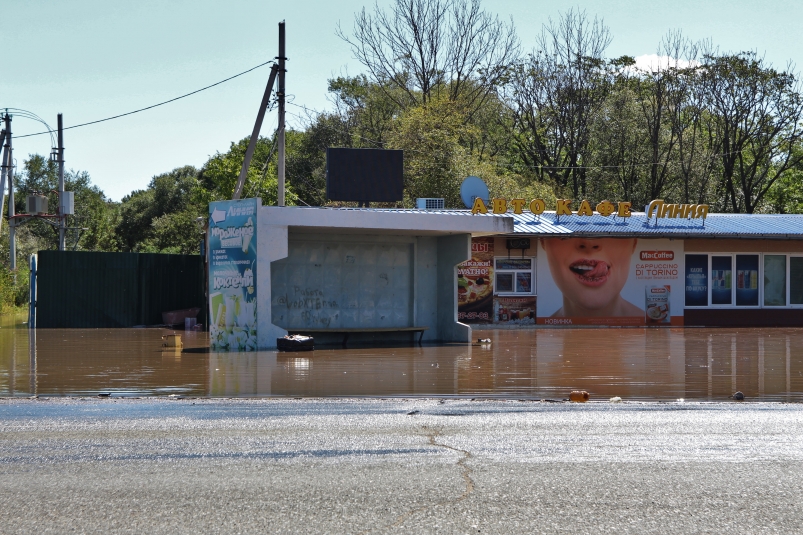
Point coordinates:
pixel 154 105
pixel 19 112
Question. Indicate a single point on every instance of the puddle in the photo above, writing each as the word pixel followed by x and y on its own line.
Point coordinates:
pixel 635 364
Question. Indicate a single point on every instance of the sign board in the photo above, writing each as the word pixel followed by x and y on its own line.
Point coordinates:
pixel 610 281
pixel 475 284
pixel 232 275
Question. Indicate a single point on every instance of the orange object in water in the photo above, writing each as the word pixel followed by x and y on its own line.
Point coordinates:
pixel 578 396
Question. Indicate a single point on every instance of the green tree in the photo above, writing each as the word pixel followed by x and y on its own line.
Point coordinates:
pixel 162 217
pixel 220 173
pixel 757 119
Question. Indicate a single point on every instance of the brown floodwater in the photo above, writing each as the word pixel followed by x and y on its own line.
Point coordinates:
pixel 633 363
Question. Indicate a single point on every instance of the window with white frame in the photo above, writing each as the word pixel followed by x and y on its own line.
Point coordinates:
pixel 514 276
pixel 744 280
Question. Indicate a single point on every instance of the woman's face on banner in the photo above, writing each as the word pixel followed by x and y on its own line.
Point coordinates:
pixel 590 272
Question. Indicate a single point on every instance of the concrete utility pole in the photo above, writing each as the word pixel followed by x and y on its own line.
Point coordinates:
pixel 252 143
pixel 62 217
pixel 12 230
pixel 5 161
pixel 280 94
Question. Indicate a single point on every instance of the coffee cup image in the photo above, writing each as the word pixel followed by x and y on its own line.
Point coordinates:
pixel 590 273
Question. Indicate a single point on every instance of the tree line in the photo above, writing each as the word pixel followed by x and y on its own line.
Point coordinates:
pixel 448 82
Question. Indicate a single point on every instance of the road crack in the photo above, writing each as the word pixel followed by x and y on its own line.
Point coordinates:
pixel 465 470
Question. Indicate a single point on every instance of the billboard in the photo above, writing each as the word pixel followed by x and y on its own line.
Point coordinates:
pixel 610 281
pixel 475 288
pixel 365 175
pixel 232 275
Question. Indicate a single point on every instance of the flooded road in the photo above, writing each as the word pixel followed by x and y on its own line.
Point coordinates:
pixel 635 364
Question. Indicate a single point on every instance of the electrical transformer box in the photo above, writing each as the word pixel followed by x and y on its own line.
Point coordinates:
pixel 67 202
pixel 36 204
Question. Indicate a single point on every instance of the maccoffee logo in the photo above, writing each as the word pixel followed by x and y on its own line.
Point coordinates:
pixel 658 290
pixel 657 255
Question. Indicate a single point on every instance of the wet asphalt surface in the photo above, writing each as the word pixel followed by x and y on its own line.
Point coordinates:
pixel 368 466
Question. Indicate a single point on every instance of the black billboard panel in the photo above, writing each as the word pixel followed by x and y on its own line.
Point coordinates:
pixel 364 175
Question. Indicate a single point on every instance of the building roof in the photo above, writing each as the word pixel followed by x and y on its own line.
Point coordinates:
pixel 745 226
pixel 770 226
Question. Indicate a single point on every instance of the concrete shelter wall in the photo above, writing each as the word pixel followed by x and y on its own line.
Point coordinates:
pixel 452 250
pixel 426 285
pixel 271 246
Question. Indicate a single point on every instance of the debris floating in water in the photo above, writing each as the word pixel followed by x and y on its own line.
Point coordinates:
pixel 579 396
pixel 615 399
pixel 295 342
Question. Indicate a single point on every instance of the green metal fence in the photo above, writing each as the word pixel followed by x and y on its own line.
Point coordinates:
pixel 91 290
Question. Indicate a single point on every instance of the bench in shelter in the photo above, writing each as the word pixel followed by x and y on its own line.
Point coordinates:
pixel 347 332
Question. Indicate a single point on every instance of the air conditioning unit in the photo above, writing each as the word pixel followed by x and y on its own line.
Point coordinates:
pixel 429 204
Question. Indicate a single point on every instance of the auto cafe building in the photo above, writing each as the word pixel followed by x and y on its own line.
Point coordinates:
pixel 375 273
pixel 671 265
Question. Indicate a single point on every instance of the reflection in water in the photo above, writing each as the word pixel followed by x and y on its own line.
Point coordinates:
pixel 648 364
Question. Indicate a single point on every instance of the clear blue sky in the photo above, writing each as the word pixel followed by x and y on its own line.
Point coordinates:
pixel 90 59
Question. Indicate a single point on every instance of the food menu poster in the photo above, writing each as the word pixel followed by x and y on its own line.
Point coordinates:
pixel 475 283
pixel 232 275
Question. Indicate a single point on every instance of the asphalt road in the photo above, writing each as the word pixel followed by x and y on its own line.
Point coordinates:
pixel 367 466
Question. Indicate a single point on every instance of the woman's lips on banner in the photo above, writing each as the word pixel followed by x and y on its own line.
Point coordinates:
pixel 590 272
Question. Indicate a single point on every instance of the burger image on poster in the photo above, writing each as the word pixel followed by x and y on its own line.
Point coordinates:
pixel 588 276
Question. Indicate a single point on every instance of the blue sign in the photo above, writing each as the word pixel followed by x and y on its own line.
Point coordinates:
pixel 232 275
pixel 696 280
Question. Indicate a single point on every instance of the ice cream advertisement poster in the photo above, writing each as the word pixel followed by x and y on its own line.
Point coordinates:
pixel 610 281
pixel 232 275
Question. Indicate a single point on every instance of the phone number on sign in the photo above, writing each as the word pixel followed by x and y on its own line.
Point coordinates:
pixel 473 316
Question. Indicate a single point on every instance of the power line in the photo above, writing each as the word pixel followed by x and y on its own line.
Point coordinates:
pixel 154 105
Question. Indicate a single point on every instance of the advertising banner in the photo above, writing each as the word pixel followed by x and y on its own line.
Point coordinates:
pixel 475 283
pixel 610 281
pixel 232 275
pixel 696 280
pixel 514 310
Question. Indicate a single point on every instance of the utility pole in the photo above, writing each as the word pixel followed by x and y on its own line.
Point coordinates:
pixel 5 162
pixel 62 217
pixel 12 230
pixel 252 143
pixel 280 94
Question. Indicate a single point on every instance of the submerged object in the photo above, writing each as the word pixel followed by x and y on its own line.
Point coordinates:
pixel 172 340
pixel 295 342
pixel 579 396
